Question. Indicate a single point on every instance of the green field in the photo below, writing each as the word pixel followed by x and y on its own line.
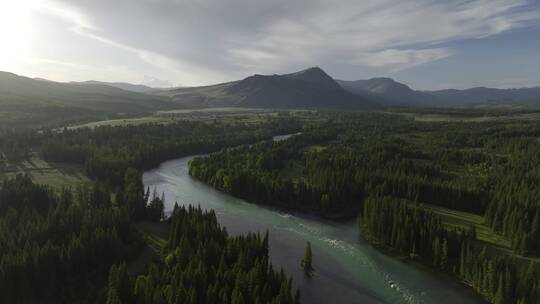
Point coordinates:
pixel 123 122
pixel 210 111
pixel 434 117
pixel 458 219
pixel 155 237
pixel 155 234
pixel 165 117
pixel 495 242
pixel 53 174
pixel 233 115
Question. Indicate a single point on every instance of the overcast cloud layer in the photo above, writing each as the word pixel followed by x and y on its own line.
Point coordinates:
pixel 167 42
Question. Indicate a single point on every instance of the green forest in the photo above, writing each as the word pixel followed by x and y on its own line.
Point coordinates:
pixel 79 244
pixel 202 264
pixel 417 188
pixel 402 176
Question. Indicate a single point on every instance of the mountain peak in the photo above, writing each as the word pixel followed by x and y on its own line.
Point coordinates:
pixel 315 75
pixel 382 79
pixel 313 71
pixel 387 90
pixel 383 84
pixel 378 85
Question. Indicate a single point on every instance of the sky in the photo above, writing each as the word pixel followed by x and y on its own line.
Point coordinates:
pixel 427 44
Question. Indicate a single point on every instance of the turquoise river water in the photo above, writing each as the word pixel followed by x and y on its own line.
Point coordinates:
pixel 347 269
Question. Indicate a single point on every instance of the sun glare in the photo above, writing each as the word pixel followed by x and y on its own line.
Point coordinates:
pixel 15 31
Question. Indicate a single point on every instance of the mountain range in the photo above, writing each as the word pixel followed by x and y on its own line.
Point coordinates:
pixel 33 101
pixel 138 88
pixel 387 91
pixel 311 88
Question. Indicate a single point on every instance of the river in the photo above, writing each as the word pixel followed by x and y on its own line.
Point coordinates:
pixel 347 269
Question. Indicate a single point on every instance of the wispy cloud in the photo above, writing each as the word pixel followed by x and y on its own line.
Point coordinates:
pixel 210 40
pixel 396 60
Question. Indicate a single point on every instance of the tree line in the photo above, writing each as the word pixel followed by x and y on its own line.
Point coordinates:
pixel 202 264
pixel 411 230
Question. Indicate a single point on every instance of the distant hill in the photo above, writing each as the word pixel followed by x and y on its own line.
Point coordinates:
pixel 139 88
pixel 38 102
pixel 390 92
pixel 311 88
pixel 454 97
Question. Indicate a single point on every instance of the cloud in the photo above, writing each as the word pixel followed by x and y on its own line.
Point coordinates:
pixel 396 60
pixel 81 25
pixel 205 41
pixel 156 82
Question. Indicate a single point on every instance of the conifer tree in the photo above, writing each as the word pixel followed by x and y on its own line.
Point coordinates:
pixel 307 260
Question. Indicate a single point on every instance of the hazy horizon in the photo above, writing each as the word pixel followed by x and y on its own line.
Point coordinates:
pixel 232 80
pixel 167 43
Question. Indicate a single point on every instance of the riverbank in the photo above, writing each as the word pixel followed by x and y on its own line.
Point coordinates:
pixel 348 269
pixel 422 264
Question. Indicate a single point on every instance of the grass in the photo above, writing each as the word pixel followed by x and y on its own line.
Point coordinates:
pixel 495 243
pixel 232 115
pixel 315 148
pixel 210 110
pixel 166 117
pixel 430 117
pixel 57 175
pixel 155 236
pixel 124 122
pixel 459 219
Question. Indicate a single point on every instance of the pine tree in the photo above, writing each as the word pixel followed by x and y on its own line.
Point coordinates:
pixel 444 254
pixel 499 296
pixel 413 255
pixel 307 260
pixel 112 297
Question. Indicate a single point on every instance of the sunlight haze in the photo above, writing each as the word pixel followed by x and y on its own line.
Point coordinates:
pixel 161 43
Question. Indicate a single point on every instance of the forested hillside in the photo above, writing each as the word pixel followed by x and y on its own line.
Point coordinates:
pixel 31 103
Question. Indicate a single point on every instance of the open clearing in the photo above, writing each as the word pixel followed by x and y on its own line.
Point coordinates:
pixel 458 219
pixel 227 115
pixel 53 174
pixel 155 237
pixel 430 117
pixel 165 117
pixel 495 243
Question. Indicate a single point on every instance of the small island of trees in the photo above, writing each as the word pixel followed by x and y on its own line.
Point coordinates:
pixel 307 261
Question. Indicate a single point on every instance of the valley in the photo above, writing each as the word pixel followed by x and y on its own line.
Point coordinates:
pixel 270 152
pixel 449 177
